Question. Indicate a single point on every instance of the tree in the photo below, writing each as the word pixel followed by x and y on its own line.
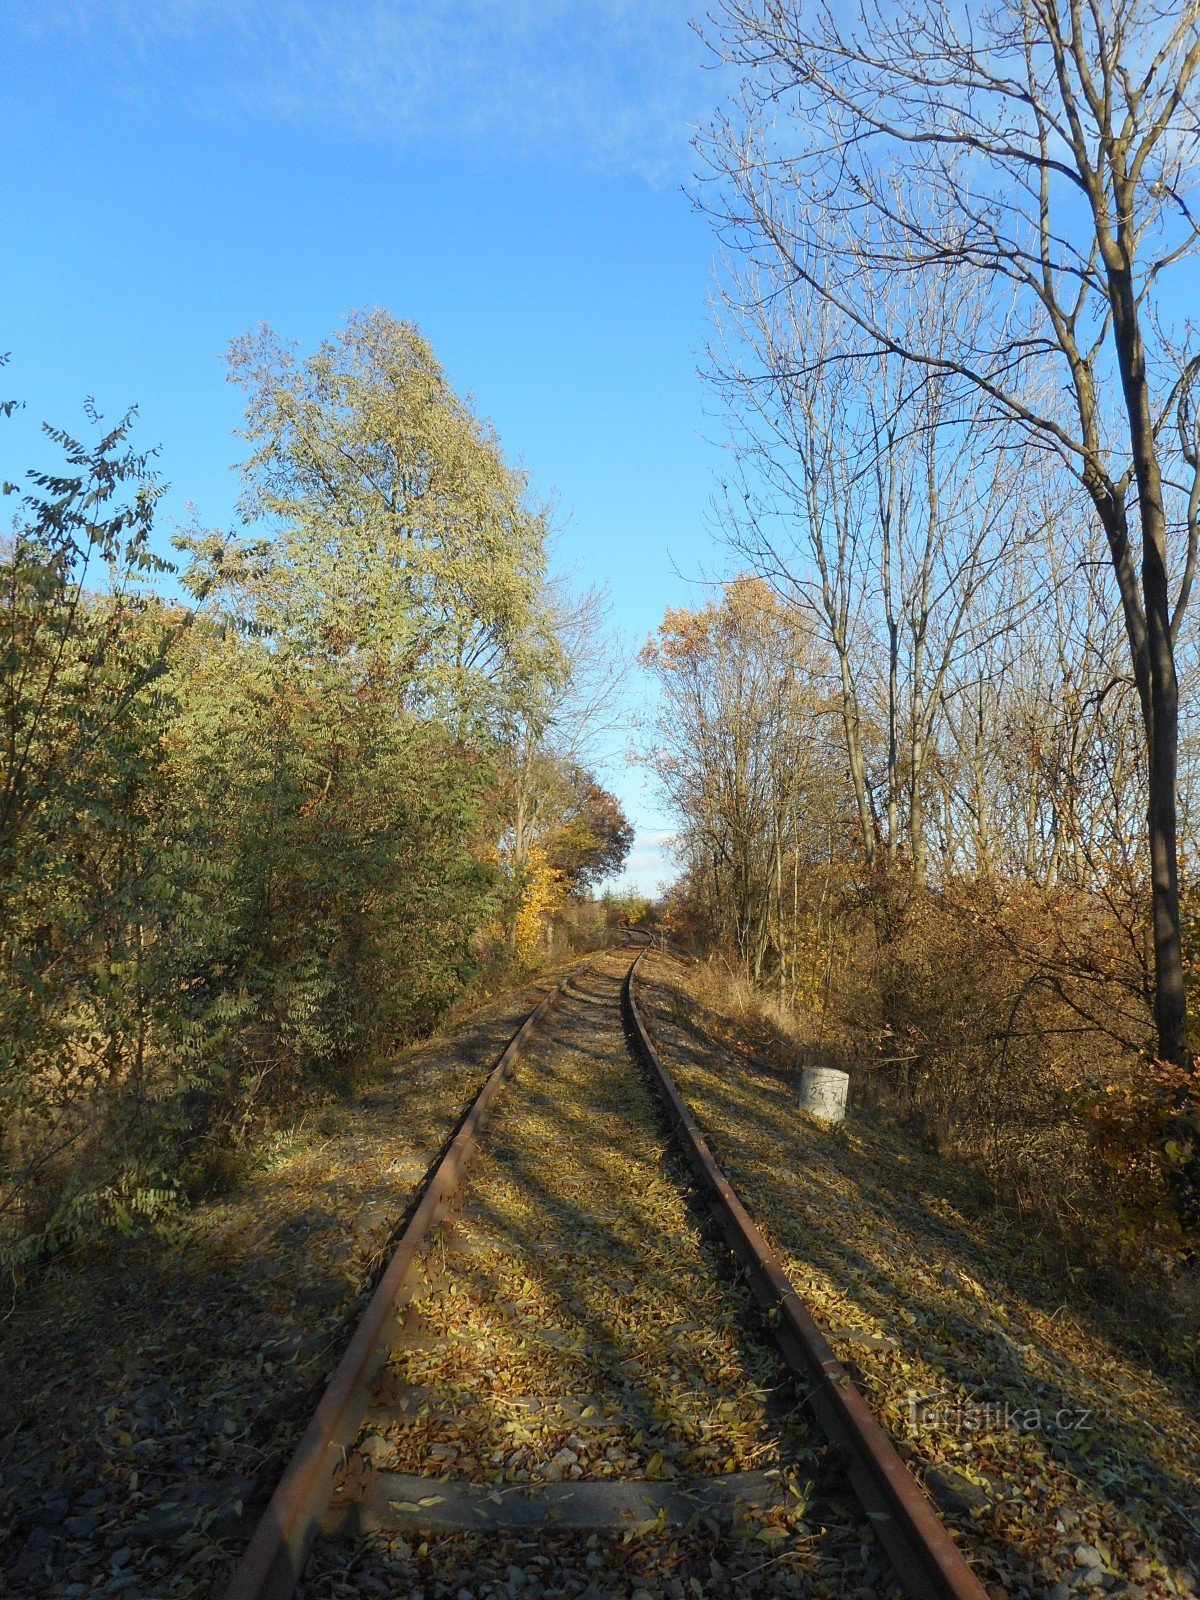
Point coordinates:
pixel 82 653
pixel 1042 771
pixel 743 753
pixel 550 746
pixel 326 885
pixel 592 837
pixel 1041 154
pixel 404 546
pixel 246 849
pixel 885 510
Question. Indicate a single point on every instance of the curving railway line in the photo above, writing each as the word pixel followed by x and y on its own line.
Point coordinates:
pixel 583 1356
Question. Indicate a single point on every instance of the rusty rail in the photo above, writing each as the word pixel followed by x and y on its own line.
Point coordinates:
pixel 272 1563
pixel 926 1559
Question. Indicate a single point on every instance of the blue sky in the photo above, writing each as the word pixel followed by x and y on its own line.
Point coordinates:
pixel 507 173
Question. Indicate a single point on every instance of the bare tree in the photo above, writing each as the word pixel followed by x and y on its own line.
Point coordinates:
pixel 1043 147
pixel 885 509
pixel 1043 769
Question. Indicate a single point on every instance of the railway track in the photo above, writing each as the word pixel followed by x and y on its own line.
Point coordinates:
pixel 560 1385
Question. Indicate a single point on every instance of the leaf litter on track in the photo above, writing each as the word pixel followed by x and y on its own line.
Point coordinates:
pixel 589 1276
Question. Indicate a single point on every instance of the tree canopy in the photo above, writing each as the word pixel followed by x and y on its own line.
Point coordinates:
pixel 251 845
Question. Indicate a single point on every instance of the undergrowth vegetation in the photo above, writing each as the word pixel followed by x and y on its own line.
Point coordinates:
pixel 257 818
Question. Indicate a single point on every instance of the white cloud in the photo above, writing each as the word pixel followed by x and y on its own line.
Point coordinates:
pixel 657 839
pixel 649 862
pixel 614 85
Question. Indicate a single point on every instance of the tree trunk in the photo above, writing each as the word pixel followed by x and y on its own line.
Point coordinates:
pixel 1170 1000
pixel 1160 697
pixel 916 813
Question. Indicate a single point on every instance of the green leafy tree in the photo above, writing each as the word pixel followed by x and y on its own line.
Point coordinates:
pixel 592 836
pixel 81 712
pixel 248 847
pixel 327 888
pixel 404 546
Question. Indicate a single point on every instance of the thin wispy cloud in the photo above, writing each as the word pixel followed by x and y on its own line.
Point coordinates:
pixel 650 853
pixel 613 86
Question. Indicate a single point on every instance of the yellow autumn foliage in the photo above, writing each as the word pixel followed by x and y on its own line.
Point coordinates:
pixel 542 894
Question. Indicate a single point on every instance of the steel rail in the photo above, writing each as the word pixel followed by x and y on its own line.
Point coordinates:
pixel 926 1559
pixel 272 1562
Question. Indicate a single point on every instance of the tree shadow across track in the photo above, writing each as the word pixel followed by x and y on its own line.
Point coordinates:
pixel 579 1330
